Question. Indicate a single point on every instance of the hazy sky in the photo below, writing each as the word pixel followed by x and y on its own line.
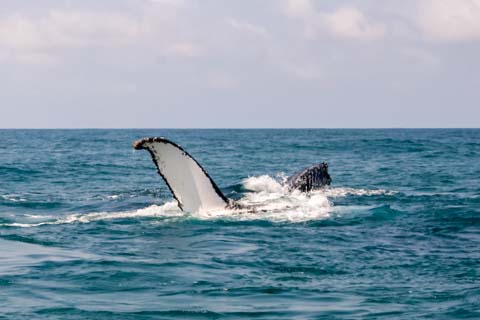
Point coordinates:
pixel 298 63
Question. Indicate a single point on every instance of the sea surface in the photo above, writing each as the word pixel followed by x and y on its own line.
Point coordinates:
pixel 89 230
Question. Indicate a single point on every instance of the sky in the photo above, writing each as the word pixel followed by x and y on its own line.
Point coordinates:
pixel 239 64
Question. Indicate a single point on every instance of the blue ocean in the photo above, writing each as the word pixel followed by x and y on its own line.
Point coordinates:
pixel 89 230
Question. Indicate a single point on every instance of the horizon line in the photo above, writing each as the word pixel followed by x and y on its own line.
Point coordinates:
pixel 240 128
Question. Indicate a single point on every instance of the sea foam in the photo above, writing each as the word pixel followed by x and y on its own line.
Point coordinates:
pixel 267 198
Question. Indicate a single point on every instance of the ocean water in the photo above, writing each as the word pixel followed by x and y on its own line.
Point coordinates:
pixel 88 230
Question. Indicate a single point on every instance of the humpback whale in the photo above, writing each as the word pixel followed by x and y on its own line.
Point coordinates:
pixel 195 190
pixel 311 178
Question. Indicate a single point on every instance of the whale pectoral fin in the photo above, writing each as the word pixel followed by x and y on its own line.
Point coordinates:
pixel 189 183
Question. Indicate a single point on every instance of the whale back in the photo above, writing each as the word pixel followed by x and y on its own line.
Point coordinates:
pixel 189 183
pixel 311 178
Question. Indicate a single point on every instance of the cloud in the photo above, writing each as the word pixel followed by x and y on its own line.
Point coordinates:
pixel 436 20
pixel 53 33
pixel 344 22
pixel 66 29
pixel 352 23
pixel 450 20
pixel 247 27
pixel 298 8
pixel 119 54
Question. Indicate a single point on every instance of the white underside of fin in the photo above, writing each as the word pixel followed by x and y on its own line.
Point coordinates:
pixel 190 184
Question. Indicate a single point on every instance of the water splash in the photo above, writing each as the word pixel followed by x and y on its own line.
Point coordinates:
pixel 267 198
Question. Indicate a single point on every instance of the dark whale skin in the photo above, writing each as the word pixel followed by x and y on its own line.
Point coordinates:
pixel 311 178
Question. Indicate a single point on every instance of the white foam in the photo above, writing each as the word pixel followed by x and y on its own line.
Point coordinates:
pixel 39 216
pixel 263 184
pixel 271 200
pixel 13 198
pixel 168 209
pixel 268 199
pixel 343 192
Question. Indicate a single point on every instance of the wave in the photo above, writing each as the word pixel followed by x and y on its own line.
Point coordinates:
pixel 343 192
pixel 266 198
pixel 13 198
pixel 169 209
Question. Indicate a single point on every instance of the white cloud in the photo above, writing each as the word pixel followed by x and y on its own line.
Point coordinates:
pixel 42 38
pixel 344 22
pixel 298 8
pixel 450 20
pixel 437 20
pixel 247 27
pixel 352 23
pixel 66 29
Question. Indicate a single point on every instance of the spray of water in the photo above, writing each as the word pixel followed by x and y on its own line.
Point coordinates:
pixel 267 198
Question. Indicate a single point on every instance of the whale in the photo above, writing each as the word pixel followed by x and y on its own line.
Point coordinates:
pixel 311 178
pixel 194 189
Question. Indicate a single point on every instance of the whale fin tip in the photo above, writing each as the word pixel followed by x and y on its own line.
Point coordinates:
pixel 138 145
